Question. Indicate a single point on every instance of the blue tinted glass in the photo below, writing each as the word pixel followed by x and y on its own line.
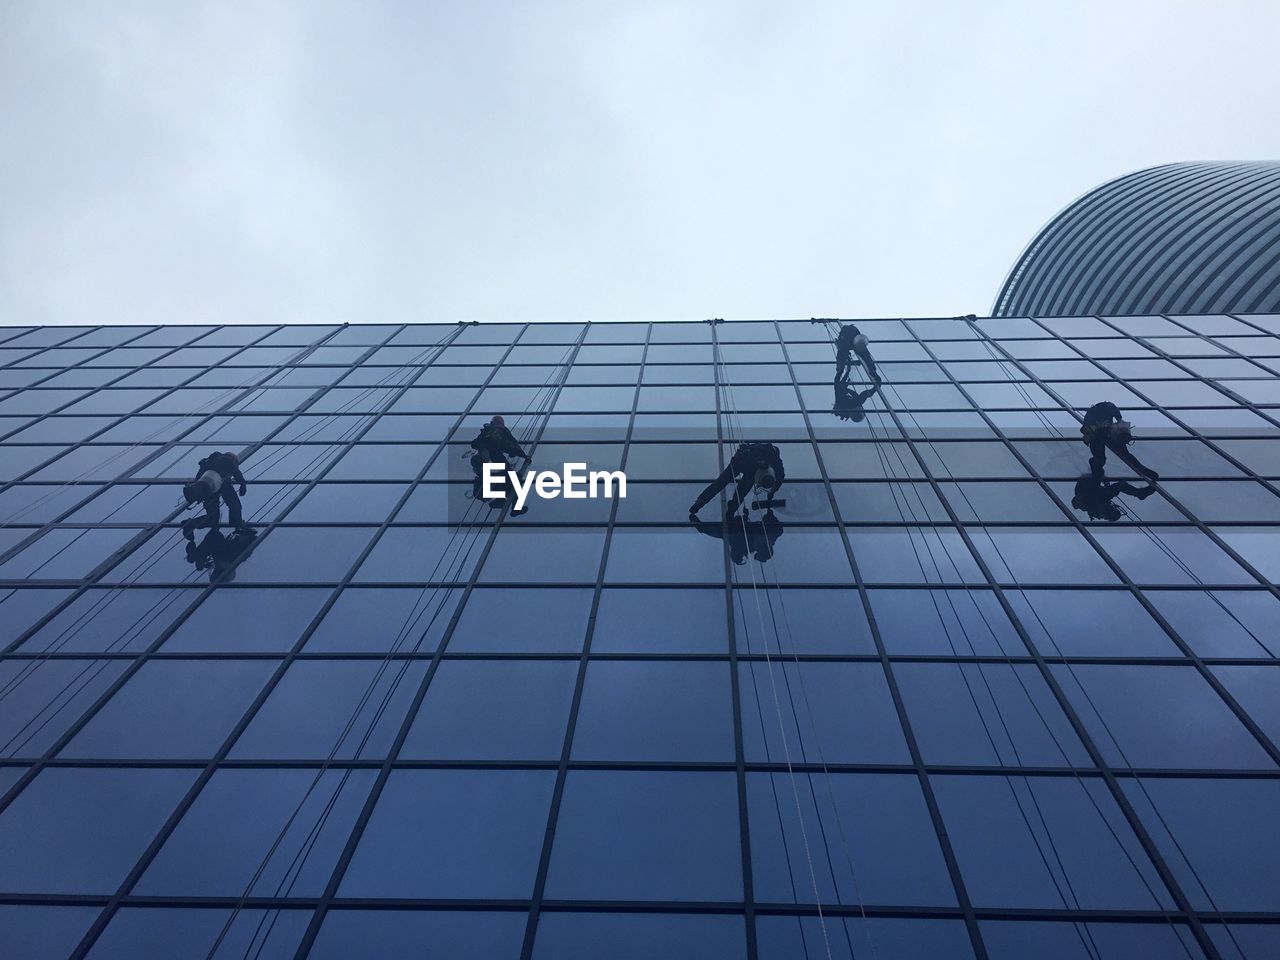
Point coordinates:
pixel 800 621
pixel 955 622
pixel 1041 555
pixel 374 619
pixel 514 619
pixel 851 937
pixel 986 713
pixel 682 841
pixel 423 555
pixel 639 936
pixel 1235 855
pixel 19 609
pixel 550 556
pixel 343 502
pixel 411 935
pixel 453 833
pixel 1257 688
pixel 1008 940
pixel 42 699
pixel 832 712
pixel 190 934
pixel 302 554
pixel 1067 623
pixel 860 830
pixel 238 818
pixel 247 619
pixel 912 555
pixel 660 621
pixel 1055 847
pixel 349 709
pixel 81 831
pixel 64 554
pixel 172 708
pixel 1158 716
pixel 664 555
pixel 1224 624
pixel 655 710
pixel 494 710
pixel 43 933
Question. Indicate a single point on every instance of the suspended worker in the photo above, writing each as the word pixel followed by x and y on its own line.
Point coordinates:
pixel 212 486
pixel 849 403
pixel 849 341
pixel 493 444
pixel 752 465
pixel 1103 429
pixel 1096 497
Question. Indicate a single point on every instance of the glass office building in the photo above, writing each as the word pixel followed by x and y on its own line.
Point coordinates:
pixel 1177 238
pixel 929 710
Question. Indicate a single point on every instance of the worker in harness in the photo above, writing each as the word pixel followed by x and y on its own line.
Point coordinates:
pixel 849 341
pixel 1103 429
pixel 849 402
pixel 493 444
pixel 752 465
pixel 218 554
pixel 1096 497
pixel 743 536
pixel 212 486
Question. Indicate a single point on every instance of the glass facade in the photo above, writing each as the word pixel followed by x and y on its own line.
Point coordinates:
pixel 931 711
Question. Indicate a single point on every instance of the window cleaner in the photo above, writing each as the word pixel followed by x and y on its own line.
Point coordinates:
pixel 1103 429
pixel 212 486
pixel 753 465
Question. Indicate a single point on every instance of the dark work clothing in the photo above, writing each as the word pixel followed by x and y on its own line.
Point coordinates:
pixel 226 468
pixel 495 439
pixel 1097 434
pixel 223 465
pixel 746 461
pixel 846 345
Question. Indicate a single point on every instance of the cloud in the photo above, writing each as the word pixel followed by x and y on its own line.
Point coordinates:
pixel 216 162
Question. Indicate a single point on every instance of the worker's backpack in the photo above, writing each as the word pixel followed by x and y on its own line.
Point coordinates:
pixel 208 484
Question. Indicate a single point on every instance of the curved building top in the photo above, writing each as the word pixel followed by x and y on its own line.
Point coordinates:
pixel 1178 238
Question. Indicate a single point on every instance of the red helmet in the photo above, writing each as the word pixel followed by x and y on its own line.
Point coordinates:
pixel 497 418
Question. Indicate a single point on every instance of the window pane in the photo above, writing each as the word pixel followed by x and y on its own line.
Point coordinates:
pixel 1056 850
pixel 348 709
pixel 494 710
pixel 367 620
pixel 221 842
pixel 832 712
pixel 43 933
pixel 780 938
pixel 511 619
pixel 655 710
pixel 638 936
pixel 1157 716
pixel 1008 940
pixel 453 834
pixel 810 621
pixel 247 619
pixel 884 824
pixel 189 934
pixel 405 935
pixel 81 831
pixel 682 841
pixel 173 709
pixel 660 621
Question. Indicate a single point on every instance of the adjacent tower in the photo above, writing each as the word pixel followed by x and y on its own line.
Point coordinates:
pixel 1180 238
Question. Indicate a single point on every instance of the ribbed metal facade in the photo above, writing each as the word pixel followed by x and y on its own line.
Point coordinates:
pixel 1181 238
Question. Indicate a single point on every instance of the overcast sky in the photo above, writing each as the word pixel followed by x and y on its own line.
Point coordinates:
pixel 360 161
